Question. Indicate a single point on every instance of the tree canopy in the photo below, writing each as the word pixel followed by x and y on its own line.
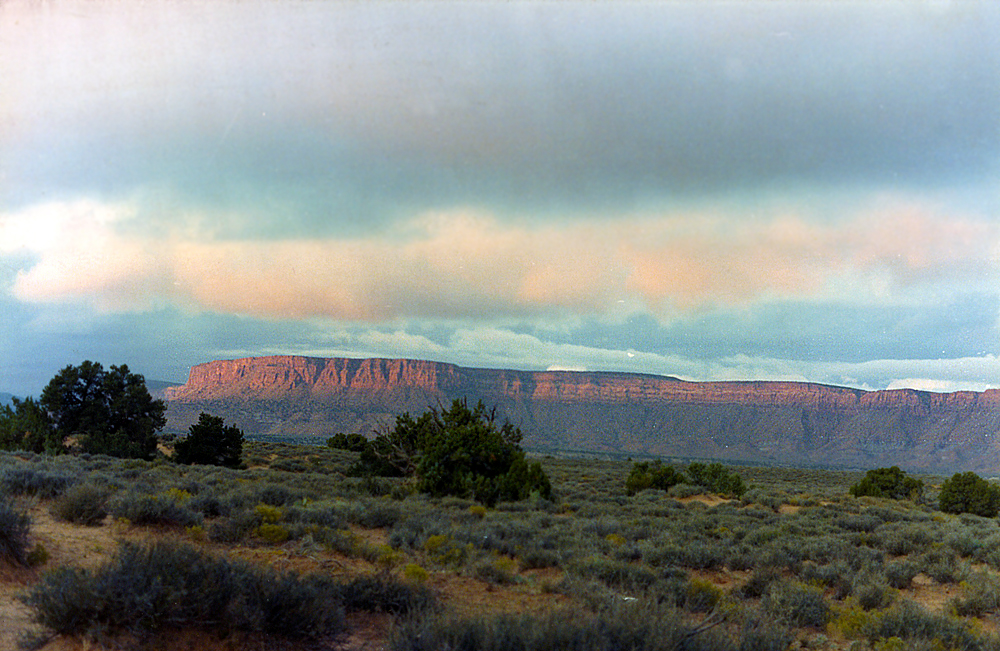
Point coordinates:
pixel 457 451
pixel 108 411
pixel 967 492
pixel 890 483
pixel 713 477
pixel 25 425
pixel 210 442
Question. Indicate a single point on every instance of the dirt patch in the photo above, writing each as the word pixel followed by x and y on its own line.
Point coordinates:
pixel 708 500
pixel 930 594
pixel 66 544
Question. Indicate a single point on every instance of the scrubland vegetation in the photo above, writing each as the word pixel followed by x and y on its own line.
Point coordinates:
pixel 294 548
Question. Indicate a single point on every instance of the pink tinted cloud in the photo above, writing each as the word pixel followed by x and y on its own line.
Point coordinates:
pixel 467 265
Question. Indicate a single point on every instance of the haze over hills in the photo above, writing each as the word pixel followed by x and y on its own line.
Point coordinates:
pixel 608 412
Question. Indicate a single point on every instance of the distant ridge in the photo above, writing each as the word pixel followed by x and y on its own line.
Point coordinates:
pixel 608 412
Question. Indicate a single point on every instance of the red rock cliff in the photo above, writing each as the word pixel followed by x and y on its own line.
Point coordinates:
pixel 614 412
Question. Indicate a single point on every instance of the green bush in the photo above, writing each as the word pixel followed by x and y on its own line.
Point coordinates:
pixel 144 589
pixel 634 626
pixel 715 478
pixel 381 594
pixel 899 574
pixel 908 621
pixel 145 510
pixel 35 482
pixel 210 442
pixel 889 483
pixel 461 452
pixel 14 528
pixel 84 504
pixel 351 442
pixel 797 604
pixel 969 493
pixel 645 475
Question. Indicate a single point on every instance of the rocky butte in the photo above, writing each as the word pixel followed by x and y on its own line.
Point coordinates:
pixel 605 412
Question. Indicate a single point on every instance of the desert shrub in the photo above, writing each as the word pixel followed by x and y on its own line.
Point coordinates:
pixel 498 571
pixel 615 574
pixel 831 575
pixel 272 533
pixel 235 528
pixel 446 551
pixel 701 595
pixel 85 504
pixel 982 595
pixel 715 478
pixel 902 539
pixel 144 589
pixel 764 634
pixel 209 505
pixel 862 522
pixel 969 493
pixel 899 574
pixel 645 475
pixel 941 564
pixel 888 483
pixel 413 532
pixel 36 482
pixel 381 594
pixel 539 558
pixel 321 514
pixel 700 556
pixel 15 526
pixel 908 621
pixel 638 627
pixel 375 514
pixel 503 536
pixel 871 594
pixel 966 543
pixel 758 582
pixel 796 604
pixel 684 489
pixel 145 510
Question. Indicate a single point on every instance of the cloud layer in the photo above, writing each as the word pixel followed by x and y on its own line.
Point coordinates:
pixel 466 265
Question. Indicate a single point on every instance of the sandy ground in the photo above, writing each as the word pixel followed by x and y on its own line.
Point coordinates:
pixel 66 544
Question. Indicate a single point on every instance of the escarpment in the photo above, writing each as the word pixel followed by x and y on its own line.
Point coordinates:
pixel 607 412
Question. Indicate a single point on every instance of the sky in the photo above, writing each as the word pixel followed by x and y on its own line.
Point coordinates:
pixel 755 190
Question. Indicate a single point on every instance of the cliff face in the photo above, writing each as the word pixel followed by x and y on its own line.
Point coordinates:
pixel 610 412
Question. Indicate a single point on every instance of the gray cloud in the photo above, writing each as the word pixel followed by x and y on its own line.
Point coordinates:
pixel 534 106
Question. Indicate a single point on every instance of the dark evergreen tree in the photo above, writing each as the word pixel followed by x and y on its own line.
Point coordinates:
pixel 25 425
pixel 967 492
pixel 890 483
pixel 646 474
pixel 352 442
pixel 457 451
pixel 210 442
pixel 108 412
